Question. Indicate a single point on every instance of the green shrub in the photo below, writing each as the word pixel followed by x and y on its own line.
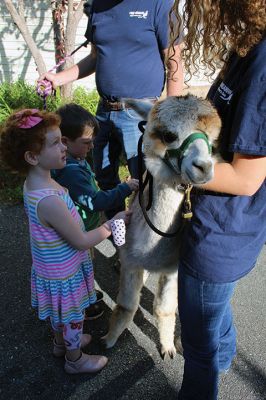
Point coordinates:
pixel 88 100
pixel 22 95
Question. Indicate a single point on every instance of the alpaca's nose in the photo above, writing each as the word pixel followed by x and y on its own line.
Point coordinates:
pixel 203 167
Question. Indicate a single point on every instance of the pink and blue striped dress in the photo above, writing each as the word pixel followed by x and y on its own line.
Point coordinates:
pixel 62 280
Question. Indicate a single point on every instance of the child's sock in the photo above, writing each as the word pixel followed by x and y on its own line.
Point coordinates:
pixel 72 335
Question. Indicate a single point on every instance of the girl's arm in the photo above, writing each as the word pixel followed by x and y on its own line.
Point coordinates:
pixel 53 212
pixel 243 177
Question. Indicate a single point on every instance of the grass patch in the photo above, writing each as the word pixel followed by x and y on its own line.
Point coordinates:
pixel 123 173
pixel 11 187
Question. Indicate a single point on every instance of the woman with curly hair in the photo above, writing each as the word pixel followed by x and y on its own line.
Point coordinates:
pixel 228 230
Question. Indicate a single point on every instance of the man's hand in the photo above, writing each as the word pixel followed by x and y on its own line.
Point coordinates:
pixel 53 78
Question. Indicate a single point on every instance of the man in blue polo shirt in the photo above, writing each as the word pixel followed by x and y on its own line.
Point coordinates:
pixel 128 52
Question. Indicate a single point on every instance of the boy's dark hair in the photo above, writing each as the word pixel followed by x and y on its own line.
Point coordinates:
pixel 74 119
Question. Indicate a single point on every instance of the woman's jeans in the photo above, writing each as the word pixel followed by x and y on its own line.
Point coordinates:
pixel 207 332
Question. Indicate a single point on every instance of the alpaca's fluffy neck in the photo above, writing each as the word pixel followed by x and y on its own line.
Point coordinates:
pixel 165 205
pixel 146 248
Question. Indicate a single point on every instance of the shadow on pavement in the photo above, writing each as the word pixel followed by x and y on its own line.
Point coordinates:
pixel 135 370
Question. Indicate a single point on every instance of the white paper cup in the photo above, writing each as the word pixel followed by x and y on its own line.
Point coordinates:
pixel 119 231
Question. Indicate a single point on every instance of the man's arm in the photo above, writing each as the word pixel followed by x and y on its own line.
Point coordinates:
pixel 84 68
pixel 243 177
pixel 87 66
pixel 174 71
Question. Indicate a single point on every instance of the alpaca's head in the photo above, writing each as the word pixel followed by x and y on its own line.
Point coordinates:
pixel 170 122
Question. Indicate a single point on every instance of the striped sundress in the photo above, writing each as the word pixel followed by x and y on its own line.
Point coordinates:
pixel 62 280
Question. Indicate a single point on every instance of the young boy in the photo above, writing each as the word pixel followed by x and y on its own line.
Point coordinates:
pixel 78 128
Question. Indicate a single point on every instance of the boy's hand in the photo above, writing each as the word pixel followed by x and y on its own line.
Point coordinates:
pixel 133 184
pixel 125 215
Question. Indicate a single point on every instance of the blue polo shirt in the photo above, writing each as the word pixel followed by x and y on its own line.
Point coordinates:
pixel 130 36
pixel 226 233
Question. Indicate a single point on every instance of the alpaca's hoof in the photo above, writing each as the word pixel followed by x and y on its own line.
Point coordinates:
pixel 108 341
pixel 168 352
pixel 178 346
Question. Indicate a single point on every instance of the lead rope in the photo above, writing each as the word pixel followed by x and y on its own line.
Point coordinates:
pixel 44 87
pixel 141 170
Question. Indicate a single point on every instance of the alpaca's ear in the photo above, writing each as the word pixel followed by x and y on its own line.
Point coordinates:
pixel 208 119
pixel 141 107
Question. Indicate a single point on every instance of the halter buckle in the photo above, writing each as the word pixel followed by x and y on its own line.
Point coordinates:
pixel 187 213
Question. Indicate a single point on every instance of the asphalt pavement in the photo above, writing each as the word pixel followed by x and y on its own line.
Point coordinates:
pixel 135 370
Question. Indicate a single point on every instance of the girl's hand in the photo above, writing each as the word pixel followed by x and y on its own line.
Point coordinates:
pixel 125 215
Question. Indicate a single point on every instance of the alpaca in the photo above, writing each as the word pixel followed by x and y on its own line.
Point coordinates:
pixel 169 123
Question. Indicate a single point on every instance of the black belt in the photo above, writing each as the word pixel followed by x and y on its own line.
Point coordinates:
pixel 119 105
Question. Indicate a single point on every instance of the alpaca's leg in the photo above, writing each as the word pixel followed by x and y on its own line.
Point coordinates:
pixel 127 303
pixel 164 308
pixel 146 275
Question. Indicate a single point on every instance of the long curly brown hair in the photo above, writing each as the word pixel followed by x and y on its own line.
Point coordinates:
pixel 215 28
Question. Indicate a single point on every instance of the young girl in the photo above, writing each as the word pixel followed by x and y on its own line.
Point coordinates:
pixel 62 276
pixel 228 230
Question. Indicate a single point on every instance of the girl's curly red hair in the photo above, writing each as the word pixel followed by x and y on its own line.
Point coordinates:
pixel 15 141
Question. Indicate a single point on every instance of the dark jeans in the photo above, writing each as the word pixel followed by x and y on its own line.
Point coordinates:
pixel 207 332
pixel 119 133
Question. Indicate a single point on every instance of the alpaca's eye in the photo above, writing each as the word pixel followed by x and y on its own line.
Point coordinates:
pixel 164 136
pixel 169 137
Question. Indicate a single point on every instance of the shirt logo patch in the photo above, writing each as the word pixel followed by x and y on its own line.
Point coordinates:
pixel 86 201
pixel 138 14
pixel 225 93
